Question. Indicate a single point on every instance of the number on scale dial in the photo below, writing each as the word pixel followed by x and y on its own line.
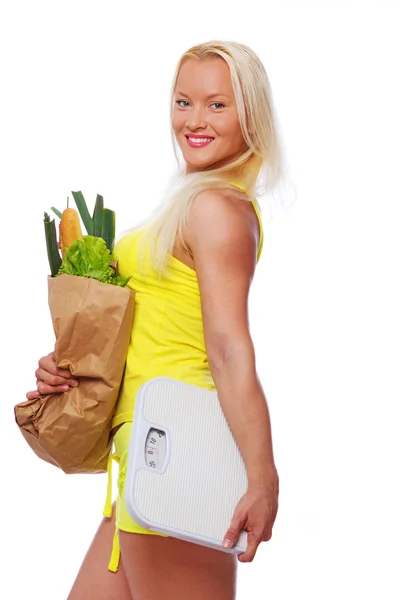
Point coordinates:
pixel 156 449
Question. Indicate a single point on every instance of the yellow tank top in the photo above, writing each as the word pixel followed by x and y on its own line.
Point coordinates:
pixel 167 334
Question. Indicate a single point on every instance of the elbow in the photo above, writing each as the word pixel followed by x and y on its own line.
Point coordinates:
pixel 229 353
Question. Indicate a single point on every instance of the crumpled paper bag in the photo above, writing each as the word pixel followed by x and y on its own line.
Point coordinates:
pixel 92 323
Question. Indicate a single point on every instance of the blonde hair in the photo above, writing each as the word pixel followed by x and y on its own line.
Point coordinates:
pixel 262 161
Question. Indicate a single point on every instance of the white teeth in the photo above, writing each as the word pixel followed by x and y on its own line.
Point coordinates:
pixel 200 140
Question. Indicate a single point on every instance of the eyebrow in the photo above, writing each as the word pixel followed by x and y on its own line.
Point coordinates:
pixel 208 97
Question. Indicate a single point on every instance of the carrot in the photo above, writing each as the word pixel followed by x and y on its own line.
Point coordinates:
pixel 70 229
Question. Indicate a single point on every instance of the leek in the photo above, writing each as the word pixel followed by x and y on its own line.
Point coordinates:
pixel 53 253
pixel 83 211
pixel 108 228
pixel 97 216
pixel 56 212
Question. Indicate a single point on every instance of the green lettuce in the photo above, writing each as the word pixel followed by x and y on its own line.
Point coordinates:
pixel 90 257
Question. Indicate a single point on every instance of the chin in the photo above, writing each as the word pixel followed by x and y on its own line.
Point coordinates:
pixel 197 164
pixel 201 162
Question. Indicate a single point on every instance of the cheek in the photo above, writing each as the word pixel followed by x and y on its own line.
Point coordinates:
pixel 227 127
pixel 177 122
pixel 220 123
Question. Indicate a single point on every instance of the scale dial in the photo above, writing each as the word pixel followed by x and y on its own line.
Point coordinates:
pixel 155 449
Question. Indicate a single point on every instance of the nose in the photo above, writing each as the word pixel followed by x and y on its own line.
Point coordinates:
pixel 196 119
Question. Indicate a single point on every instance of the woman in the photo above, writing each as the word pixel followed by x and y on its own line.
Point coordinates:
pixel 192 263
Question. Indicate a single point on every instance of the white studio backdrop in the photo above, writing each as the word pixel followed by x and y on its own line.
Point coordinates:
pixel 84 106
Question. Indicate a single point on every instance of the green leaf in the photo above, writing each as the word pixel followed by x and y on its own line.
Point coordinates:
pixel 122 281
pixel 83 211
pixel 90 257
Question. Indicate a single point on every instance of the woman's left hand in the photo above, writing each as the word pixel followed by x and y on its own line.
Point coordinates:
pixel 255 512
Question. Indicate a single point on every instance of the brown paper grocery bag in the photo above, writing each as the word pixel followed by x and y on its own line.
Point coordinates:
pixel 92 323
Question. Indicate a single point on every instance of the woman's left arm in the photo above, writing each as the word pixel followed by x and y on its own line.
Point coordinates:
pixel 223 236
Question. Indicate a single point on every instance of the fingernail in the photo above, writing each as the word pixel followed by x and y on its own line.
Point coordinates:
pixel 65 388
pixel 227 543
pixel 75 382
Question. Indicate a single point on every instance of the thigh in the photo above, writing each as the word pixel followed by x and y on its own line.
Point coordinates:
pixel 165 567
pixel 94 580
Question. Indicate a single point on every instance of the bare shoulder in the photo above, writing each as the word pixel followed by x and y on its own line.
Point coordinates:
pixel 224 220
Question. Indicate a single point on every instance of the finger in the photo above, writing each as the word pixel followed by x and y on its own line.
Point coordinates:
pixel 52 379
pixel 44 388
pixel 49 364
pixel 253 542
pixel 232 533
pixel 51 367
pixel 267 535
pixel 32 395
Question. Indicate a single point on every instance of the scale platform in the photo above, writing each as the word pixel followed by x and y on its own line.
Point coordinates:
pixel 185 471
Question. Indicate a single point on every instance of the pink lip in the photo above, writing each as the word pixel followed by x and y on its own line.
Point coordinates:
pixel 197 144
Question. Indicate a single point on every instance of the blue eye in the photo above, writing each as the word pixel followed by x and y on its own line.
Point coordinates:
pixel 219 105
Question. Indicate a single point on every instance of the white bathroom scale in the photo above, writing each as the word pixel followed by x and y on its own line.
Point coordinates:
pixel 185 472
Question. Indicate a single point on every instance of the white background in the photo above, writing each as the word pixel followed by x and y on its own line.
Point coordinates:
pixel 84 106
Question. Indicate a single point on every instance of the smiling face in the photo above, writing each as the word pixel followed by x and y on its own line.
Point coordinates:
pixel 204 119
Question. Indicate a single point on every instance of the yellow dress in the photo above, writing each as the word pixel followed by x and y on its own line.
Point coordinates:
pixel 167 340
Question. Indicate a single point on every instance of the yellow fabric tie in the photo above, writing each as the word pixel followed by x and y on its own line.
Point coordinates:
pixel 115 554
pixel 107 512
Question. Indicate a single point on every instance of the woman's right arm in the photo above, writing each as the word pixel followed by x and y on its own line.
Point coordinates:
pixel 50 379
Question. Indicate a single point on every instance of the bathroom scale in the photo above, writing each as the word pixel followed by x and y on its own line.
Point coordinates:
pixel 185 472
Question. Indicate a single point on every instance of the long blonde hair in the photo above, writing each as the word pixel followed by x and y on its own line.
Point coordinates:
pixel 261 163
